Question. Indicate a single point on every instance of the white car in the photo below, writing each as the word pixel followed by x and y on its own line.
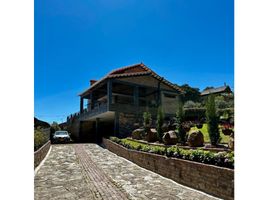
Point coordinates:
pixel 61 136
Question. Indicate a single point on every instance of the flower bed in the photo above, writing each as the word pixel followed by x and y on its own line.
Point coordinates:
pixel 222 159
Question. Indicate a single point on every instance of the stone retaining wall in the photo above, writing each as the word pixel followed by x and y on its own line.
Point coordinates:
pixel 213 180
pixel 40 154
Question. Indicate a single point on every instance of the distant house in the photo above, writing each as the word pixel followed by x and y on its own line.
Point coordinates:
pixel 114 104
pixel 219 90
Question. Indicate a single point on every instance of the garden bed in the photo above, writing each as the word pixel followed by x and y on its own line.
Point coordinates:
pixel 213 149
pixel 214 180
pixel 222 159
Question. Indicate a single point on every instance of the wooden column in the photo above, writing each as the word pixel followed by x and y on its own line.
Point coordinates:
pixel 81 104
pixel 109 94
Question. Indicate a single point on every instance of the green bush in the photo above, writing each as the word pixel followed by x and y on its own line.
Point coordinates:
pixel 212 121
pixel 228 111
pixel 223 159
pixel 39 139
pixel 181 133
pixel 147 120
pixel 191 104
pixel 159 123
pixel 194 113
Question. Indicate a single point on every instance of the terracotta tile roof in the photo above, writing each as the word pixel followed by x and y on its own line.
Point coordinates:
pixel 130 71
pixel 215 90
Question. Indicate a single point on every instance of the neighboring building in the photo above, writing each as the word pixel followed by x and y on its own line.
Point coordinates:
pixel 224 90
pixel 114 104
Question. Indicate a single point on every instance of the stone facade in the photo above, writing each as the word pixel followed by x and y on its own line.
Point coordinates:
pixel 211 179
pixel 126 124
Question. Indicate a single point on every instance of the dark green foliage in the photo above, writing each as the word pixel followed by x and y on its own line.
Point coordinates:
pixel 159 123
pixel 212 121
pixel 194 113
pixel 40 123
pixel 222 159
pixel 40 139
pixel 147 120
pixel 181 133
pixel 192 94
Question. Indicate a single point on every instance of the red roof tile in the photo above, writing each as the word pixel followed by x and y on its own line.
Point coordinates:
pixel 129 71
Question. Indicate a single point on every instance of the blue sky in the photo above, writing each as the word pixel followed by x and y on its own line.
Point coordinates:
pixel 186 41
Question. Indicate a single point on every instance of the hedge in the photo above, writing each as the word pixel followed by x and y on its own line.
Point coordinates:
pixel 222 159
pixel 193 114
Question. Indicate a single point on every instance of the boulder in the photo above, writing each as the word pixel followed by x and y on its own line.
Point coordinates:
pixel 138 133
pixel 195 139
pixel 170 138
pixel 151 135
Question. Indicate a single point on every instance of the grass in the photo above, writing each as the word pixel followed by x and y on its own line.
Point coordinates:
pixel 204 130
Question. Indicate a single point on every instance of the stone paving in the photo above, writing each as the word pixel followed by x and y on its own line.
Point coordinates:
pixel 87 171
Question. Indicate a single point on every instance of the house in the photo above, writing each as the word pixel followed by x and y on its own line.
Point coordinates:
pixel 223 90
pixel 114 104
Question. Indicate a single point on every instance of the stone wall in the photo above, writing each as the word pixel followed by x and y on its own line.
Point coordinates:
pixel 126 123
pixel 213 180
pixel 40 154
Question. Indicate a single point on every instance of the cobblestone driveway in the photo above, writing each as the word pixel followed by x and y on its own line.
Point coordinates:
pixel 87 171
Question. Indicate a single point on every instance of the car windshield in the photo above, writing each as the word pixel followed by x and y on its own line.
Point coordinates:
pixel 61 133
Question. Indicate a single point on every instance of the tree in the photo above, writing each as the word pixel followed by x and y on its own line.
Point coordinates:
pixel 190 93
pixel 147 120
pixel 181 133
pixel 212 120
pixel 159 123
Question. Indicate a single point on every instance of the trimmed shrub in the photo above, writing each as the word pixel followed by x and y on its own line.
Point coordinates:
pixel 159 123
pixel 147 121
pixel 181 133
pixel 212 121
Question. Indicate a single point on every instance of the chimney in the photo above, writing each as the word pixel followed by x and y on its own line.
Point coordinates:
pixel 92 82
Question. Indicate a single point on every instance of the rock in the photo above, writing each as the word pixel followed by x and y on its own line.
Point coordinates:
pixel 151 135
pixel 195 139
pixel 170 138
pixel 138 133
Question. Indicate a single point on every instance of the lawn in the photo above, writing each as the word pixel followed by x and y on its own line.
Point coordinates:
pixel 204 130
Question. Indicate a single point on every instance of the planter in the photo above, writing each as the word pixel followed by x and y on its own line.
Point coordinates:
pixel 199 176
